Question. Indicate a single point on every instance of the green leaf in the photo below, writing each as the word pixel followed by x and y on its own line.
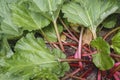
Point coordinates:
pixel 51 34
pixel 33 60
pixel 101 45
pixel 27 19
pixel 118 11
pixel 115 43
pixel 110 22
pixel 48 8
pixel 102 58
pixel 5 49
pixel 89 13
pixel 8 28
pixel 103 62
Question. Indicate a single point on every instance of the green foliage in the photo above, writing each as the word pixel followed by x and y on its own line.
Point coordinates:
pixel 33 60
pixel 50 33
pixel 27 19
pixel 110 22
pixel 48 8
pixel 86 12
pixel 116 43
pixel 28 58
pixel 8 28
pixel 118 11
pixel 5 49
pixel 102 58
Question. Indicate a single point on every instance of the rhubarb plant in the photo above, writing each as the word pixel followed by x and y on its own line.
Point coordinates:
pixel 28 28
pixel 87 14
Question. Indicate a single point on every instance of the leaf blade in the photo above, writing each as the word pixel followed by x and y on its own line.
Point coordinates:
pixel 102 58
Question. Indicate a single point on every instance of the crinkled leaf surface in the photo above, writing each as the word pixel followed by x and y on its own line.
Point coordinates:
pixel 102 58
pixel 116 43
pixel 27 19
pixel 89 13
pixel 48 8
pixel 8 28
pixel 33 60
pixel 51 34
pixel 5 49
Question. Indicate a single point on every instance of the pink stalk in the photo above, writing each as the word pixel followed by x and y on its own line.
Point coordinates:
pixel 65 43
pixel 118 73
pixel 116 76
pixel 87 49
pixel 68 36
pixel 89 54
pixel 78 52
pixel 114 69
pixel 68 30
pixel 99 75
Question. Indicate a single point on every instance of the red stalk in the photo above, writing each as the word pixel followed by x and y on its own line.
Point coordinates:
pixel 85 74
pixel 66 43
pixel 89 54
pixel 68 30
pixel 115 55
pixel 78 78
pixel 117 76
pixel 114 69
pixel 74 65
pixel 68 36
pixel 87 49
pixel 71 74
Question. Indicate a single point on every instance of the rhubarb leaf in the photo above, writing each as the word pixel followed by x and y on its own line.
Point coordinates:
pixel 33 60
pixel 48 8
pixel 27 19
pixel 102 61
pixel 101 45
pixel 51 34
pixel 5 49
pixel 8 28
pixel 102 58
pixel 89 13
pixel 116 43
